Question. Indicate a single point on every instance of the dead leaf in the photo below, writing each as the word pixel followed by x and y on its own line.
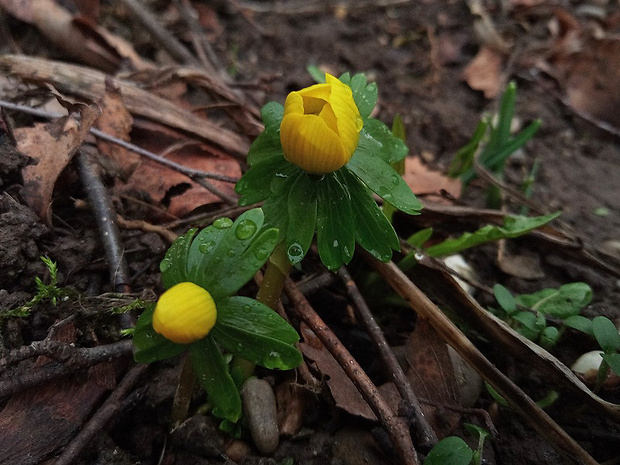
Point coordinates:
pixel 116 121
pixel 52 146
pixel 82 39
pixel 344 392
pixel 484 72
pixel 423 180
pixel 163 185
pixel 432 377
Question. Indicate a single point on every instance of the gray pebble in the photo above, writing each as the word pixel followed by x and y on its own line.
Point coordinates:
pixel 259 406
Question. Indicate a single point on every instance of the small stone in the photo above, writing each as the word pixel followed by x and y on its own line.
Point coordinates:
pixel 259 406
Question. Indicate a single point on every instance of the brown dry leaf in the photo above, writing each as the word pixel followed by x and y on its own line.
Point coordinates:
pixel 345 394
pixel 52 145
pixel 87 43
pixel 422 180
pixel 176 190
pixel 484 72
pixel 431 376
pixel 116 121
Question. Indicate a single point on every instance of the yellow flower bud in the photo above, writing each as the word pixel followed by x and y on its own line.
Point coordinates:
pixel 184 313
pixel 321 126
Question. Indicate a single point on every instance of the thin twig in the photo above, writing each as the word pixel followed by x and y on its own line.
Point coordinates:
pixel 395 426
pixel 203 48
pixel 426 436
pixel 189 172
pixel 518 400
pixel 104 415
pixel 169 236
pixel 105 216
pixel 79 359
pixel 167 41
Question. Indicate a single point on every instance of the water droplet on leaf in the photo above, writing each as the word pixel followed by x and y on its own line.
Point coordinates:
pixel 206 247
pixel 295 250
pixel 261 254
pixel 223 223
pixel 247 309
pixel 165 265
pixel 335 243
pixel 245 229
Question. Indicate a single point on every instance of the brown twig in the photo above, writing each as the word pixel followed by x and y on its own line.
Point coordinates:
pixel 78 359
pixel 426 436
pixel 104 415
pixel 169 236
pixel 395 426
pixel 167 41
pixel 203 48
pixel 105 216
pixel 517 399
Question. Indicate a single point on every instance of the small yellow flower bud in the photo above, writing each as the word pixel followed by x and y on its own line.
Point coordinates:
pixel 184 313
pixel 320 128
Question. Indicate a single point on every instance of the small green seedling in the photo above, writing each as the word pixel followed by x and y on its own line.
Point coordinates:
pixel 528 313
pixel 45 292
pixel 455 451
pixel 492 143
pixel 200 313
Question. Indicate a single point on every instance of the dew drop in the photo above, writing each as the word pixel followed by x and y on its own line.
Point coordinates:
pixel 261 254
pixel 245 229
pixel 247 309
pixel 359 123
pixel 206 247
pixel 223 223
pixel 395 180
pixel 295 251
pixel 165 265
pixel 335 243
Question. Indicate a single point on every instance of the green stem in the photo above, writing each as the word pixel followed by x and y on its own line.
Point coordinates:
pixel 277 271
pixel 183 394
pixel 269 293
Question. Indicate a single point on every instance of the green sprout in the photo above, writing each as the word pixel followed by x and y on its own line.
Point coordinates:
pixel 200 313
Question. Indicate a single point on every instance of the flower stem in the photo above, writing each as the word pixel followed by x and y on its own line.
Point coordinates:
pixel 277 271
pixel 183 394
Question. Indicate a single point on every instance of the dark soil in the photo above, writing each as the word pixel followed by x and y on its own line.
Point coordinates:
pixel 396 47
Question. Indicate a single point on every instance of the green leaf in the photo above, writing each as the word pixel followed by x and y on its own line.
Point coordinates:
pixel 173 266
pixel 531 325
pixel 463 160
pixel 497 397
pixel 580 323
pixel 212 372
pixel 232 253
pixel 381 178
pixel 606 334
pixel 514 226
pixel 549 337
pixel 266 145
pixel 365 95
pixel 613 360
pixel 566 301
pixel 419 238
pixel 253 331
pixel 373 231
pixel 316 73
pixel 302 211
pixel 272 115
pixel 505 299
pixel 150 346
pixel 335 225
pixel 251 315
pixel 450 451
pixel 378 141
pixel 255 186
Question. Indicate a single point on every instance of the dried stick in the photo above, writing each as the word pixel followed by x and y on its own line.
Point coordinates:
pixel 203 49
pixel 395 426
pixel 518 400
pixel 78 359
pixel 168 42
pixel 108 410
pixel 426 436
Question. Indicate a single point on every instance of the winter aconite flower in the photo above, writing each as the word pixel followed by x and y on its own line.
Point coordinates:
pixel 316 166
pixel 320 128
pixel 184 313
pixel 200 313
